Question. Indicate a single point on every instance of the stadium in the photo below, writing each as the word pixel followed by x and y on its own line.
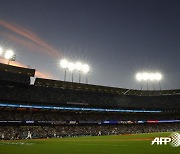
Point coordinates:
pixel 67 117
pixel 89 77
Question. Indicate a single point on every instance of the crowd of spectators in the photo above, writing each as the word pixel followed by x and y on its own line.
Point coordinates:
pixel 32 94
pixel 21 132
pixel 29 115
pixel 64 130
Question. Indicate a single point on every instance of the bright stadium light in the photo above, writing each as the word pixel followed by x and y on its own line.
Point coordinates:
pixel 71 66
pixel 78 66
pixel 9 54
pixel 158 76
pixel 148 76
pixel 145 76
pixel 64 63
pixel 85 68
pixel 151 77
pixel 139 76
pixel 74 68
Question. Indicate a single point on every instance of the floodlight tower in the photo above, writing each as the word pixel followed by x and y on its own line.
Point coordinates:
pixel 139 78
pixel 78 67
pixel 145 77
pixel 152 77
pixel 85 70
pixel 64 65
pixel 9 55
pixel 159 78
pixel 71 68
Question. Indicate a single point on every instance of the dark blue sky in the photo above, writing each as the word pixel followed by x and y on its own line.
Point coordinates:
pixel 117 38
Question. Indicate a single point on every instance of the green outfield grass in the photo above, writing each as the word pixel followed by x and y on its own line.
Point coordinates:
pixel 120 144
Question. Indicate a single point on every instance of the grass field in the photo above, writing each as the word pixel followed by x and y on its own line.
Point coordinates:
pixel 120 144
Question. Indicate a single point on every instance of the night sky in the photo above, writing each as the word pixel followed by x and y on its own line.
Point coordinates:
pixel 117 38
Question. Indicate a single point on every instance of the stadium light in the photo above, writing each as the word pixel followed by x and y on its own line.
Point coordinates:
pixel 71 68
pixel 152 77
pixel 78 66
pixel 138 76
pixel 158 76
pixel 9 54
pixel 148 76
pixel 64 63
pixel 85 70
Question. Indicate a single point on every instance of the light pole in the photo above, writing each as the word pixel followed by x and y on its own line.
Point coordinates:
pixel 65 74
pixel 85 70
pixel 87 78
pixel 71 68
pixel 72 76
pixel 147 85
pixel 64 65
pixel 159 86
pixel 78 67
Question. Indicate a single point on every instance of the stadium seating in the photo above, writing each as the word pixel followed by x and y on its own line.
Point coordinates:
pixel 17 70
pixel 16 120
pixel 10 75
pixel 59 96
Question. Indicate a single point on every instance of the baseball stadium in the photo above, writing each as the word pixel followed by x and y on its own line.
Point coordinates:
pixel 51 116
pixel 89 77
